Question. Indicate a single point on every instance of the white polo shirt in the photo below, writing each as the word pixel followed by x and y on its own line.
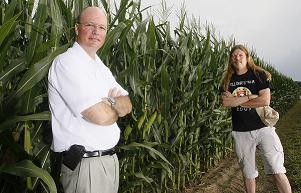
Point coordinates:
pixel 76 82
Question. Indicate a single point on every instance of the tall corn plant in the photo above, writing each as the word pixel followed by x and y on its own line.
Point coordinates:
pixel 178 128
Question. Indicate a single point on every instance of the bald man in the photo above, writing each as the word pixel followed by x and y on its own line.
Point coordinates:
pixel 85 102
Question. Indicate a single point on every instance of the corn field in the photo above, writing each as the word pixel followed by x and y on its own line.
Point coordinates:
pixel 178 128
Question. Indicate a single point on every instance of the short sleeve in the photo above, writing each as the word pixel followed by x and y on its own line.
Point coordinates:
pixel 75 85
pixel 263 80
pixel 112 81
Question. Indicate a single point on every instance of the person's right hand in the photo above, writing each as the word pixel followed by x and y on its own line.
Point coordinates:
pixel 123 104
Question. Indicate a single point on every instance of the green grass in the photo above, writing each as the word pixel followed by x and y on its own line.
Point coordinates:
pixel 289 129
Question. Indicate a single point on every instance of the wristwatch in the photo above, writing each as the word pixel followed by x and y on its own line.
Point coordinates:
pixel 112 101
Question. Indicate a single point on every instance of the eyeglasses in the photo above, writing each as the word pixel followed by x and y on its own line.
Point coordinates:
pixel 92 26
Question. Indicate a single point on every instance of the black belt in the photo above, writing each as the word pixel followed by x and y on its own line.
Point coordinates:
pixel 98 153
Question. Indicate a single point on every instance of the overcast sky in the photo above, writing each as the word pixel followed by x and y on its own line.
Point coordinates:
pixel 271 27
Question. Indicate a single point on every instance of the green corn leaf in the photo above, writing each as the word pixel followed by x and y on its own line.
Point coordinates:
pixel 166 98
pixel 179 135
pixel 26 168
pixel 166 168
pixel 38 71
pixel 11 70
pixel 145 178
pixel 57 21
pixel 216 140
pixel 37 30
pixel 151 34
pixel 135 145
pixel 6 28
pixel 112 38
pixel 9 12
pixel 66 13
pixel 33 117
pixel 120 15
pixel 43 50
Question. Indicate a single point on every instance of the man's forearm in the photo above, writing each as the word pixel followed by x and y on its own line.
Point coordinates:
pixel 101 114
pixel 256 102
pixel 230 101
pixel 107 113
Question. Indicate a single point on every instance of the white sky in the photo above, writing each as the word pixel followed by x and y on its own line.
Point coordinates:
pixel 271 27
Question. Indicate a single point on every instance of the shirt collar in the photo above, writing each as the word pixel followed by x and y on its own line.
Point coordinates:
pixel 83 53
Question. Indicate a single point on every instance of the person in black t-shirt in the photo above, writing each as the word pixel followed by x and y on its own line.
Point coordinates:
pixel 245 86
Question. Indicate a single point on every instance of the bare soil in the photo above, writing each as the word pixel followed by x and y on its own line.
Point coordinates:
pixel 227 178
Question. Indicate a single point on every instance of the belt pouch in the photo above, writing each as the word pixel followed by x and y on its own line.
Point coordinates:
pixel 73 156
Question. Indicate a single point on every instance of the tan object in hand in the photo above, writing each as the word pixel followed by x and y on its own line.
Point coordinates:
pixel 268 115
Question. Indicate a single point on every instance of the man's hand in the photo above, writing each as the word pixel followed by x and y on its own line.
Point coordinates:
pixel 123 105
pixel 101 114
pixel 104 113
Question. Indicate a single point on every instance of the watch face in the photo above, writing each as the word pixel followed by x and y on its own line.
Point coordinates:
pixel 112 101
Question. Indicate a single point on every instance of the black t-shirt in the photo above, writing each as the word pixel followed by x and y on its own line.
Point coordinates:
pixel 246 119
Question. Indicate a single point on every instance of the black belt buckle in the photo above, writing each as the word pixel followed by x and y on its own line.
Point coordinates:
pixel 91 154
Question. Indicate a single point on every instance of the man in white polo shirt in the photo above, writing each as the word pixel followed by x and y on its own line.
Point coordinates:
pixel 85 102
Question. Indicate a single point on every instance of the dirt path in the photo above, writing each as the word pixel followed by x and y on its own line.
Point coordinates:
pixel 227 177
